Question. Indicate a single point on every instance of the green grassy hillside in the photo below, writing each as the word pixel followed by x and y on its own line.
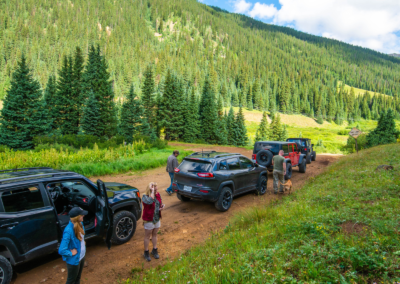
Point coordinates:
pixel 341 227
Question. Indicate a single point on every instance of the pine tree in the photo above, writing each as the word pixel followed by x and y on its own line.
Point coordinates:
pixel 23 115
pixel 250 98
pixel 131 117
pixel 192 119
pixel 284 134
pixel 284 97
pixel 148 96
pixel 257 95
pixel 67 103
pixel 208 114
pixel 77 80
pixel 385 132
pixel 240 131
pixel 276 128
pixel 222 130
pixel 230 127
pixel 262 133
pixel 90 121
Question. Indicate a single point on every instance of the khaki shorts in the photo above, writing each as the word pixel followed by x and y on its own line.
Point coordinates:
pixel 151 225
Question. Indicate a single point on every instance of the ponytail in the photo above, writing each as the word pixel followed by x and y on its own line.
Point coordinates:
pixel 78 229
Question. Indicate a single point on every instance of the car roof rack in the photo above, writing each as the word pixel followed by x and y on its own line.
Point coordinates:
pixel 227 154
pixel 202 153
pixel 26 169
pixel 32 177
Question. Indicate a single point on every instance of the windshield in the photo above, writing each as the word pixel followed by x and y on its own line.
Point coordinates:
pixel 194 166
pixel 274 148
pixel 298 141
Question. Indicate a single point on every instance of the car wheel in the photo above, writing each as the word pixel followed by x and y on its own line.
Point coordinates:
pixel 314 156
pixel 5 270
pixel 225 199
pixel 288 171
pixel 303 166
pixel 262 186
pixel 182 198
pixel 308 158
pixel 264 158
pixel 124 227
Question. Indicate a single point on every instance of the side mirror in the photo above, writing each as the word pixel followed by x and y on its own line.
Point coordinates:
pixel 312 145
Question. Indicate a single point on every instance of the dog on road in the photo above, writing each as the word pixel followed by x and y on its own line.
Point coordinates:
pixel 287 186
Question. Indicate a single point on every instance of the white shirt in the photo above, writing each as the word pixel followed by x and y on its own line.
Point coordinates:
pixel 83 248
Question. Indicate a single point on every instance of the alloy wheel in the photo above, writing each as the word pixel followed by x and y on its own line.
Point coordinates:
pixel 227 199
pixel 124 228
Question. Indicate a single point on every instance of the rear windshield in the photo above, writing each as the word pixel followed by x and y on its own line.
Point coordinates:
pixel 274 148
pixel 194 166
pixel 298 141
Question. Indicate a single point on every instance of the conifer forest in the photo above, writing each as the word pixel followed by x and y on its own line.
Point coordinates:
pixel 174 69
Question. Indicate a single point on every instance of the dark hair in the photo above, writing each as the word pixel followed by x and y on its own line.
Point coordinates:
pixel 176 152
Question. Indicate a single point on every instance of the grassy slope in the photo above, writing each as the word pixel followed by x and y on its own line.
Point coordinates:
pixel 341 227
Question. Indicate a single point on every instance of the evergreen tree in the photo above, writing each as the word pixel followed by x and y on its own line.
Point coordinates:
pixel 262 133
pixel 131 117
pixel 192 119
pixel 23 115
pixel 250 98
pixel 284 98
pixel 240 131
pixel 50 98
pixel 208 114
pixel 90 121
pixel 257 95
pixel 276 128
pixel 77 80
pixel 230 127
pixel 148 96
pixel 385 132
pixel 284 134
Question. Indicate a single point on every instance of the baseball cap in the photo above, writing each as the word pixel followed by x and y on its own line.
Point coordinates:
pixel 76 211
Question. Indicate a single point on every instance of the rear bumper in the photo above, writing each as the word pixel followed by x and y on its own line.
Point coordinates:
pixel 195 193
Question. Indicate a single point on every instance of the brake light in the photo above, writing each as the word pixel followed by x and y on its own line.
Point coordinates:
pixel 138 193
pixel 85 200
pixel 254 156
pixel 95 221
pixel 177 170
pixel 203 191
pixel 205 175
pixel 305 149
pixel 174 184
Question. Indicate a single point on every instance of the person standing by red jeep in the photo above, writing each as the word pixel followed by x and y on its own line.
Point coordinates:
pixel 152 207
pixel 279 172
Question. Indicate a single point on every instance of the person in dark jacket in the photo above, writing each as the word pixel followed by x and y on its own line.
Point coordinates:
pixel 172 164
pixel 73 246
pixel 152 207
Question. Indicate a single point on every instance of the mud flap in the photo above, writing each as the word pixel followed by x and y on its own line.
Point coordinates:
pixel 107 212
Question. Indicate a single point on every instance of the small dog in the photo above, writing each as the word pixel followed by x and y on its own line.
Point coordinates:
pixel 287 186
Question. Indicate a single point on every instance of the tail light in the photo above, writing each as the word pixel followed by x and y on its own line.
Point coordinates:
pixel 205 175
pixel 203 191
pixel 95 221
pixel 174 184
pixel 305 149
pixel 138 193
pixel 177 170
pixel 85 200
pixel 254 156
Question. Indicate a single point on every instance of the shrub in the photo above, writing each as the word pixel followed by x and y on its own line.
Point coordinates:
pixel 57 147
pixel 4 148
pixel 343 132
pixel 361 143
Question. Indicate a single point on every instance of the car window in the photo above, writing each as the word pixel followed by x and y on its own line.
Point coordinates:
pixel 194 166
pixel 233 164
pixel 22 199
pixel 245 163
pixel 285 149
pixel 78 187
pixel 308 143
pixel 274 148
pixel 223 165
pixel 295 148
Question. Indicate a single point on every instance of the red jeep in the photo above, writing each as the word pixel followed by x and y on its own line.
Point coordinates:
pixel 263 153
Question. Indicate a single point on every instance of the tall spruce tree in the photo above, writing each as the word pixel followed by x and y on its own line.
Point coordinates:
pixel 90 121
pixel 208 114
pixel 250 98
pixel 230 127
pixel 77 80
pixel 276 128
pixel 192 119
pixel 68 104
pixel 148 96
pixel 240 131
pixel 23 115
pixel 385 132
pixel 131 117
pixel 262 133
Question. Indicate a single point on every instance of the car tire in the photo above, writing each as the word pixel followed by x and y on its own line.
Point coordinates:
pixel 182 198
pixel 124 227
pixel 264 158
pixel 314 156
pixel 308 158
pixel 262 186
pixel 288 171
pixel 5 270
pixel 225 199
pixel 303 166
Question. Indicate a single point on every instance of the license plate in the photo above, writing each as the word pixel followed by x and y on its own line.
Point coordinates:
pixel 187 188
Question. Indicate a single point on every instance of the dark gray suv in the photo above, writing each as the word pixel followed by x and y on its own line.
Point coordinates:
pixel 218 177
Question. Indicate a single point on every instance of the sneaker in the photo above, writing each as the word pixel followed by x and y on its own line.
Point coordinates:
pixel 154 253
pixel 147 255
pixel 169 193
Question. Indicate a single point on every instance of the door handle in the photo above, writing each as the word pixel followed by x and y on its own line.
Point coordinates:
pixel 9 225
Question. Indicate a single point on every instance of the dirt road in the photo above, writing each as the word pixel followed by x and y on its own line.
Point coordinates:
pixel 183 225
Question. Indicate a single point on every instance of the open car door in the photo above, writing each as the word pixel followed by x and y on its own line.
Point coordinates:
pixel 104 213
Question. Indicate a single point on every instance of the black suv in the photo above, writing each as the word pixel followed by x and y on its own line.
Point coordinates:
pixel 264 151
pixel 305 146
pixel 218 177
pixel 34 207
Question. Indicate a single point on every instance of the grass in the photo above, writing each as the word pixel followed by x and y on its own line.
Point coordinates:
pixel 342 226
pixel 149 160
pixel 359 92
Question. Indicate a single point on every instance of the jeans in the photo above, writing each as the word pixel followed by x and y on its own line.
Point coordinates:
pixel 279 177
pixel 171 175
pixel 75 272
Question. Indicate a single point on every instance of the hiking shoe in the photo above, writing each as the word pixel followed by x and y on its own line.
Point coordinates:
pixel 154 253
pixel 147 255
pixel 169 193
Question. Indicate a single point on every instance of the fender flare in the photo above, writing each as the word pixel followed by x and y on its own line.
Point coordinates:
pixel 262 174
pixel 130 203
pixel 302 156
pixel 228 182
pixel 12 250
